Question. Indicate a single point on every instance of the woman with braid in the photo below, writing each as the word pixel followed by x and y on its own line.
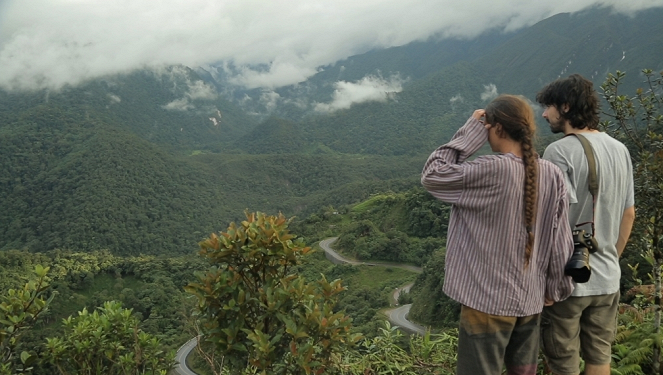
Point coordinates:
pixel 508 238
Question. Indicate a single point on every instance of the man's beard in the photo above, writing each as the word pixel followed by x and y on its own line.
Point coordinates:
pixel 556 126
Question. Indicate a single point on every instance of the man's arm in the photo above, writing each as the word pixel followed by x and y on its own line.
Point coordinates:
pixel 625 229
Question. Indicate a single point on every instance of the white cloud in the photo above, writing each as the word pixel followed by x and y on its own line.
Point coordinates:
pixel 201 90
pixel 270 100
pixel 489 92
pixel 114 98
pixel 52 43
pixel 181 104
pixel 369 88
pixel 279 74
pixel 456 98
pixel 190 90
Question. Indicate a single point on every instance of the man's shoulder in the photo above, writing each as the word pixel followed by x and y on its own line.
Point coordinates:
pixel 605 138
pixel 568 141
pixel 571 143
pixel 562 148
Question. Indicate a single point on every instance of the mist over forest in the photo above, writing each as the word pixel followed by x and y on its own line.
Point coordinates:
pixel 112 174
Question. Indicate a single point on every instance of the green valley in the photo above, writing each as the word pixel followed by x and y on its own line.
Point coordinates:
pixel 111 188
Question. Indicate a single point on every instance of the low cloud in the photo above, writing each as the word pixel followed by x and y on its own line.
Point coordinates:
pixel 369 88
pixel 114 98
pixel 193 90
pixel 180 105
pixel 54 43
pixel 199 90
pixel 270 100
pixel 456 98
pixel 489 92
pixel 277 75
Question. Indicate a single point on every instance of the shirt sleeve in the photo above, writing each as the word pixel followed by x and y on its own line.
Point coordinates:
pixel 630 194
pixel 559 286
pixel 443 172
pixel 555 156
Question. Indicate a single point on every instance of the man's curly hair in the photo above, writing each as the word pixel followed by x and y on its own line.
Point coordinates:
pixel 578 93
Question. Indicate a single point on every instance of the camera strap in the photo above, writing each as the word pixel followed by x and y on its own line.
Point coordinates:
pixel 592 179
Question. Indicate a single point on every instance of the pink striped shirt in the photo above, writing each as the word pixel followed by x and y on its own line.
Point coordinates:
pixel 485 259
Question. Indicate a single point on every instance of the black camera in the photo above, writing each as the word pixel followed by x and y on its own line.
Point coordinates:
pixel 578 266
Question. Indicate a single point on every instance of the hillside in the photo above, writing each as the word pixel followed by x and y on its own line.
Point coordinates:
pixel 71 188
pixel 151 161
pixel 415 122
pixel 438 99
pixel 592 43
pixel 404 228
pixel 106 166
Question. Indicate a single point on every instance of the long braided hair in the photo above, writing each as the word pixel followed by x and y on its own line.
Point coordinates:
pixel 516 117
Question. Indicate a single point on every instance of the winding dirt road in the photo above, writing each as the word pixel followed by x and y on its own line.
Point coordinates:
pixel 397 315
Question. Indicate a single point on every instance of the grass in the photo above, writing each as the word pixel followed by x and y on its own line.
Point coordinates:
pixel 367 204
pixel 379 277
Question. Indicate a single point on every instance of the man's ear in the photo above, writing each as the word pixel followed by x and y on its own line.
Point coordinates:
pixel 565 108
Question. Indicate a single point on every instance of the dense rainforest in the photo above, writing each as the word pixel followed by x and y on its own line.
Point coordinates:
pixel 151 161
pixel 111 186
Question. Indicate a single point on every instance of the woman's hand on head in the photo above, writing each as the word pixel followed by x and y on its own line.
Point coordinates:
pixel 479 114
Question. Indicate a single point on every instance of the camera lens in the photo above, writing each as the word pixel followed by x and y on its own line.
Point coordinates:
pixel 578 266
pixel 578 270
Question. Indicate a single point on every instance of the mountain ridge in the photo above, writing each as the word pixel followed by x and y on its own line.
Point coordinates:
pixel 149 161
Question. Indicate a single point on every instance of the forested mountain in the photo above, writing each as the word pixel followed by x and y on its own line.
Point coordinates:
pixel 436 101
pixel 411 62
pixel 108 166
pixel 113 183
pixel 592 43
pixel 68 188
pixel 152 161
pixel 171 108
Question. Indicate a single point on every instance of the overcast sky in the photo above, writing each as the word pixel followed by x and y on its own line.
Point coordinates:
pixel 50 43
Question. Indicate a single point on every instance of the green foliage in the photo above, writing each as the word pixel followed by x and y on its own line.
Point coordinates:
pixel 414 212
pixel 397 227
pixel 634 342
pixel 638 332
pixel 106 341
pixel 638 121
pixel 90 188
pixel 370 289
pixel 82 171
pixel 431 306
pixel 19 311
pixel 388 226
pixel 256 312
pixel 150 286
pixel 428 354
